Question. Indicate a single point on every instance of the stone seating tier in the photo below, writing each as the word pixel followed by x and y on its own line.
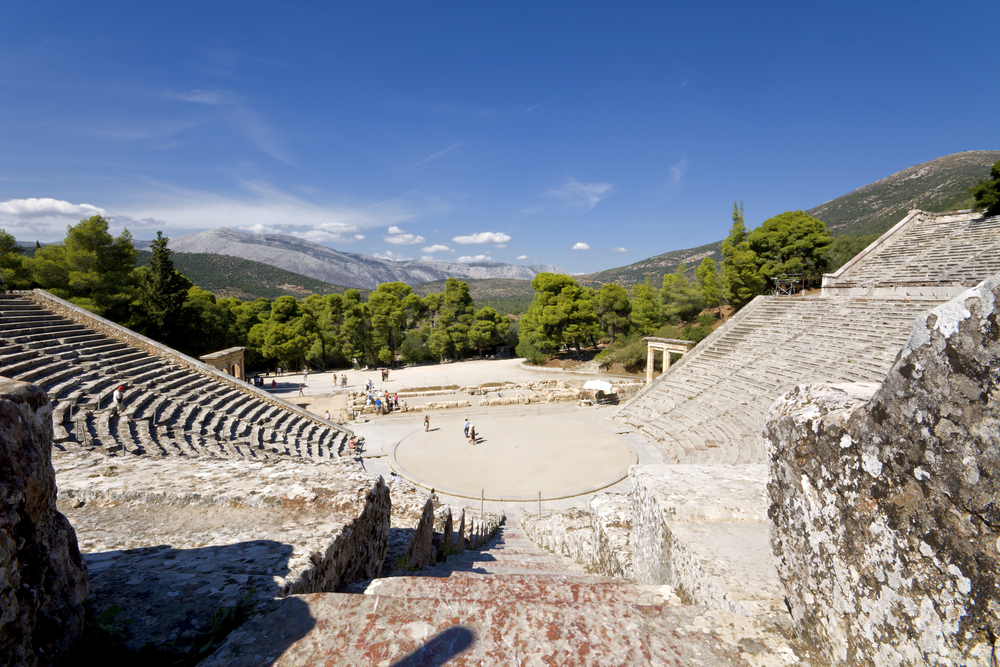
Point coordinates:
pixel 170 410
pixel 928 249
pixel 710 407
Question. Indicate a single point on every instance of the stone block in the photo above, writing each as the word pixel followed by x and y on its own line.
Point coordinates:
pixel 43 580
pixel 699 529
pixel 611 525
pixel 420 552
pixel 883 501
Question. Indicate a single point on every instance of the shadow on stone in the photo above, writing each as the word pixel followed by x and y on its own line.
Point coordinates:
pixel 440 649
pixel 178 605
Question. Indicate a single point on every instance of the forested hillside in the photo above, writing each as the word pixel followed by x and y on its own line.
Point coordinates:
pixel 226 276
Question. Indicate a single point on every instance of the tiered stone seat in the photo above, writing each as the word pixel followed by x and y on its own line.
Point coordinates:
pixel 171 409
pixel 710 407
pixel 927 249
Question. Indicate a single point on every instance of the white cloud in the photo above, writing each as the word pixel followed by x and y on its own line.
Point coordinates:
pixel 583 194
pixel 261 229
pixel 522 257
pixel 396 230
pixel 391 256
pixel 622 249
pixel 500 246
pixel 428 258
pixel 465 259
pixel 581 246
pixel 46 208
pixel 437 248
pixel 482 237
pixel 403 239
pixel 678 170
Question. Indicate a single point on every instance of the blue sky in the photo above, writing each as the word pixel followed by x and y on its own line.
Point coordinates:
pixel 586 135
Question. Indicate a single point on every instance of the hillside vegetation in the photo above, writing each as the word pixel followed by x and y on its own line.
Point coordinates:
pixel 244 279
pixel 936 186
pixel 505 295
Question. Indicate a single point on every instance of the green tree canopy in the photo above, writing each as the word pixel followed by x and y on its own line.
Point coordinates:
pixel 792 243
pixel 488 330
pixel 987 192
pixel 562 312
pixel 162 292
pixel 90 268
pixel 741 278
pixel 388 315
pixel 15 274
pixel 613 309
pixel 681 300
pixel 647 313
pixel 708 284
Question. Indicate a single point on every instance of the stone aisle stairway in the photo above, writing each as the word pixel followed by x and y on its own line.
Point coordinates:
pixel 510 603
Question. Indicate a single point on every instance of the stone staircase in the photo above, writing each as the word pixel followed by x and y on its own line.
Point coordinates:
pixel 710 407
pixel 171 409
pixel 511 603
pixel 927 249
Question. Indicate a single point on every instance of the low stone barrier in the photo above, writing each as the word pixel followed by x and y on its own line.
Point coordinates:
pixel 883 499
pixel 43 580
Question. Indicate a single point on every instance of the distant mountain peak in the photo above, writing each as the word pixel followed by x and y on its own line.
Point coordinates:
pixel 299 255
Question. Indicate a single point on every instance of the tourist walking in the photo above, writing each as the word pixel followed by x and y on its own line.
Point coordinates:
pixel 467 428
pixel 327 415
pixel 472 434
pixel 300 389
pixel 427 423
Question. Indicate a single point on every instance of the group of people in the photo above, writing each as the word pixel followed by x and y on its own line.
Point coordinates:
pixel 470 432
pixel 383 402
pixel 258 381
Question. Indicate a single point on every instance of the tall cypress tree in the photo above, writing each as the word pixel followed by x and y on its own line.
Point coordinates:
pixel 163 290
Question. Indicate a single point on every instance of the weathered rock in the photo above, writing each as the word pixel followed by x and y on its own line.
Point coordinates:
pixel 567 532
pixel 43 580
pixel 611 523
pixel 460 533
pixel 883 502
pixel 421 549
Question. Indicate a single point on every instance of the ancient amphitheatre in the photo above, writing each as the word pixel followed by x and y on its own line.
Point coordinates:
pixel 644 532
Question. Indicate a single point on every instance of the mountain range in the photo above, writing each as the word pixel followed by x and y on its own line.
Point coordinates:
pixel 341 268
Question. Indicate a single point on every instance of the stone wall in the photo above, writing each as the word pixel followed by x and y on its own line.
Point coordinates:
pixel 43 580
pixel 883 500
pixel 597 538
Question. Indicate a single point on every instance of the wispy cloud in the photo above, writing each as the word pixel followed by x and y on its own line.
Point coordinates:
pixel 622 249
pixel 583 194
pixel 46 207
pixel 522 257
pixel 581 246
pixel 437 248
pixel 466 259
pixel 442 152
pixel 482 237
pixel 678 170
pixel 240 118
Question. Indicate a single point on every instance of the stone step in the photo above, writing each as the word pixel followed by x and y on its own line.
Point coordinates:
pixel 348 629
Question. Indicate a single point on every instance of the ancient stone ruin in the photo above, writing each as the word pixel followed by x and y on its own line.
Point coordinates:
pixel 43 580
pixel 884 498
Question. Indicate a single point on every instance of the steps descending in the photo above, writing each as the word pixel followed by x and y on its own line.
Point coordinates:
pixel 511 603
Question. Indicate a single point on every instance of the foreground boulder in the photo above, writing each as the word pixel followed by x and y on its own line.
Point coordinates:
pixel 885 519
pixel 43 580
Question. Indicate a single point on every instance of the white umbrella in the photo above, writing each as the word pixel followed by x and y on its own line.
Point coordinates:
pixel 599 385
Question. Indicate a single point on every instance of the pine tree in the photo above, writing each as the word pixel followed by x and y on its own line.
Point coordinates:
pixel 163 290
pixel 741 279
